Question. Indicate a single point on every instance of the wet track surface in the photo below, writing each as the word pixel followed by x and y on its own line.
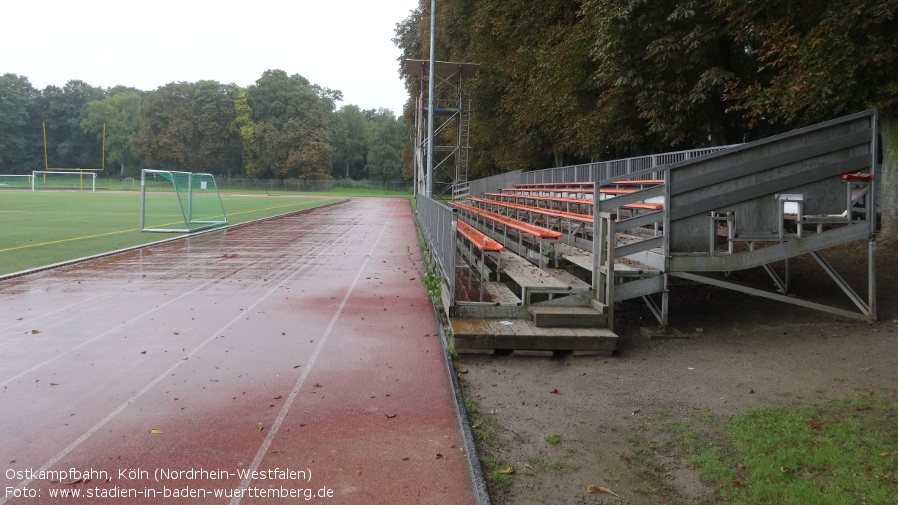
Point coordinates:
pixel 304 344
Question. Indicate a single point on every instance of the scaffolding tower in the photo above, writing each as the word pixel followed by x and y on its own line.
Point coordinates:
pixel 451 126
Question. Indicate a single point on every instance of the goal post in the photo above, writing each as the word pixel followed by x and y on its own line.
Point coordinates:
pixel 179 202
pixel 57 180
pixel 15 181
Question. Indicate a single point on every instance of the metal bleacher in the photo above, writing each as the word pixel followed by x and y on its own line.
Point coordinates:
pixel 608 232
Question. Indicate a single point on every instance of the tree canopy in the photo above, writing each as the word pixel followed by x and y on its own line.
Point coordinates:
pixel 574 81
pixel 282 126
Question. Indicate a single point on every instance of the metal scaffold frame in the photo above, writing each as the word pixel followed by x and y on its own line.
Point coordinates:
pixel 447 172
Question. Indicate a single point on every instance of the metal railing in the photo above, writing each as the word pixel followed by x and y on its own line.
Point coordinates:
pixel 603 170
pixel 438 224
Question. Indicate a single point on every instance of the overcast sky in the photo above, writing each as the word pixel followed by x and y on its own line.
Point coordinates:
pixel 342 44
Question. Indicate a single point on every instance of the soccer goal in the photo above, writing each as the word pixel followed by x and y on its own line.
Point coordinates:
pixel 42 180
pixel 11 181
pixel 179 202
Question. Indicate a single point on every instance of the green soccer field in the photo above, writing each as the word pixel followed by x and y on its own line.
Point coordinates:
pixel 44 228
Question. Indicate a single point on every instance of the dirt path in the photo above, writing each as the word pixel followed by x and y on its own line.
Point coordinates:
pixel 612 416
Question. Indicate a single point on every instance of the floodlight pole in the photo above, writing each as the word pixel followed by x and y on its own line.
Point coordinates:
pixel 430 88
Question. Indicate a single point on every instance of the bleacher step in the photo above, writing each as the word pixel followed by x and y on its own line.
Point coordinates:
pixel 567 317
pixel 491 335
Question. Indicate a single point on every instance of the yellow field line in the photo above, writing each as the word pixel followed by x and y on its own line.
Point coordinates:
pixel 66 240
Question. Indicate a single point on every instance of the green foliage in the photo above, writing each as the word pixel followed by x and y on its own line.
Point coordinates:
pixel 167 134
pixel 553 439
pixel 388 137
pixel 292 133
pixel 351 136
pixel 15 95
pixel 120 115
pixel 62 110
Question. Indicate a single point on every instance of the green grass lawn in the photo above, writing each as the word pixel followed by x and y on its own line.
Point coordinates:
pixel 44 228
pixel 828 454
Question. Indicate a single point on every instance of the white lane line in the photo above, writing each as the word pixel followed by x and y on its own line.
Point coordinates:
pixel 266 444
pixel 99 336
pixel 117 327
pixel 42 315
pixel 71 447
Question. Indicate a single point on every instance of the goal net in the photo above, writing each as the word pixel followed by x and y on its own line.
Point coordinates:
pixel 9 181
pixel 42 180
pixel 179 202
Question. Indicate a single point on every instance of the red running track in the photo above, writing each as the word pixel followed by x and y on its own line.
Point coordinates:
pixel 302 348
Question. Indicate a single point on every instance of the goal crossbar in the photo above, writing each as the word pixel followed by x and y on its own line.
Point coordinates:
pixel 78 180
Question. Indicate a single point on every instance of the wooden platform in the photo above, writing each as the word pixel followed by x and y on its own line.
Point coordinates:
pixel 533 279
pixel 486 336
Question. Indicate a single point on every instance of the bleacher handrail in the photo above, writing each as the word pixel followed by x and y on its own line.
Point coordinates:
pixel 616 169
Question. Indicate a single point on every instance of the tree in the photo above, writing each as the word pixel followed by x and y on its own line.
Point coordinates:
pixel 351 139
pixel 388 138
pixel 219 142
pixel 246 129
pixel 292 133
pixel 120 113
pixel 15 95
pixel 62 110
pixel 167 133
pixel 671 60
pixel 821 59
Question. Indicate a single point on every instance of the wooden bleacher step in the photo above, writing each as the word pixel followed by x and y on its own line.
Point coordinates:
pixel 567 317
pixel 521 336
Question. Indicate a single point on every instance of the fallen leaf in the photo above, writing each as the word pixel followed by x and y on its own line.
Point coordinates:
pixel 439 456
pixel 887 454
pixel 278 397
pixel 54 384
pixel 390 416
pixel 751 391
pixel 259 425
pixel 74 482
pixel 405 458
pixel 635 412
pixel 316 385
pixel 739 483
pixel 816 425
pixel 556 391
pixel 600 489
pixel 508 470
pixel 35 332
pixel 527 466
pixel 155 432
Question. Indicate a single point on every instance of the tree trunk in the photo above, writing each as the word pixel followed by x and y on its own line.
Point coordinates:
pixel 888 183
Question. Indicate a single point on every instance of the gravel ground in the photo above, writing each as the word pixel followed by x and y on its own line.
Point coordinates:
pixel 608 419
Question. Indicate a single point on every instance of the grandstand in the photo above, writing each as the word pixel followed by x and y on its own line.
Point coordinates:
pixel 576 241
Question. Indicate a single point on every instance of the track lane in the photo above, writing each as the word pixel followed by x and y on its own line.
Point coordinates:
pixel 207 407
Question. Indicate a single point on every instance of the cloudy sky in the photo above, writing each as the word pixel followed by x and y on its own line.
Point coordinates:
pixel 342 44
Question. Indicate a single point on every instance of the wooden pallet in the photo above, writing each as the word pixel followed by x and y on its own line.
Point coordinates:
pixel 497 335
